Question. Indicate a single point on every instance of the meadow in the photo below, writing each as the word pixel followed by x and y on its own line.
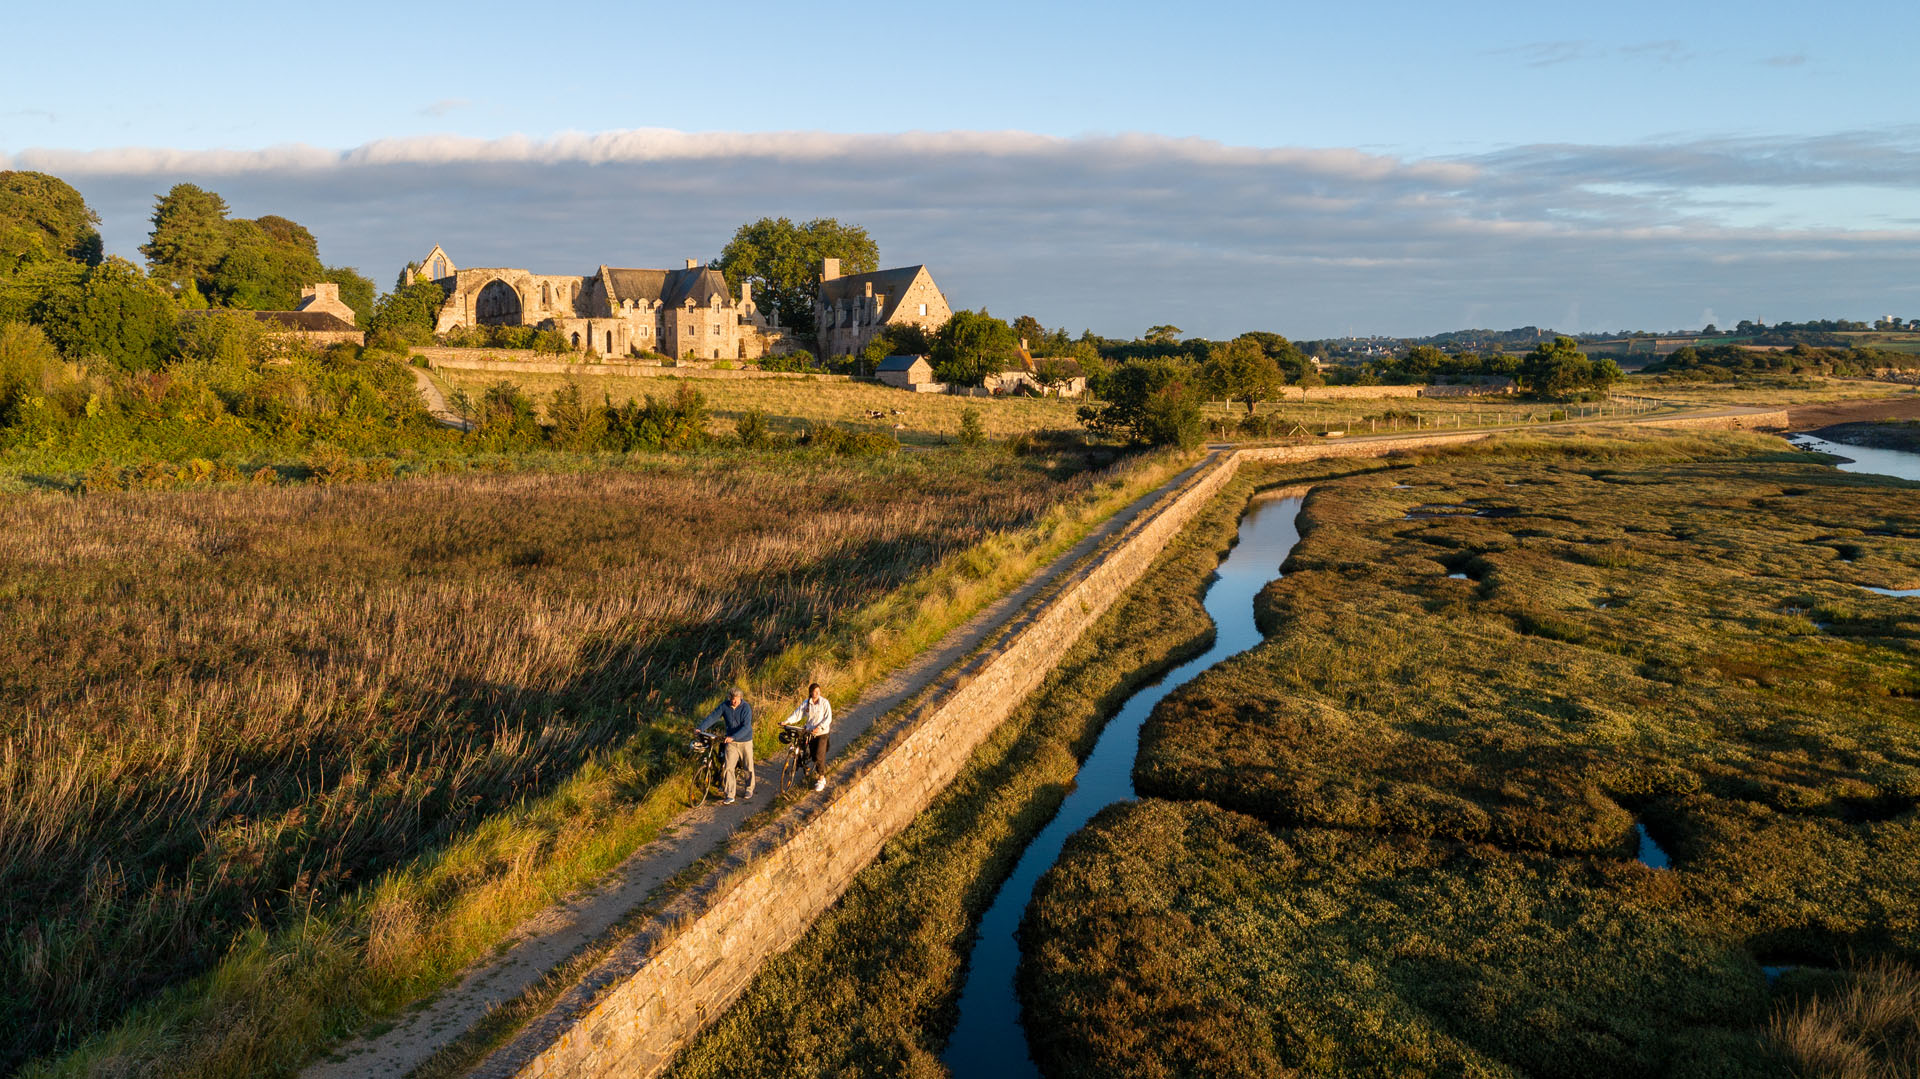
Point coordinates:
pixel 934 419
pixel 1399 837
pixel 278 760
pixel 793 405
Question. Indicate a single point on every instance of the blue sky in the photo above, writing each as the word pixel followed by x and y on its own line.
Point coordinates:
pixel 1222 167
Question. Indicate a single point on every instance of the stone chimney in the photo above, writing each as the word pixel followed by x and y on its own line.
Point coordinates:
pixel 746 293
pixel 829 269
pixel 324 296
pixel 691 263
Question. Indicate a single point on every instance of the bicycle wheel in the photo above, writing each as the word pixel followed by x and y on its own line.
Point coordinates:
pixel 702 784
pixel 789 772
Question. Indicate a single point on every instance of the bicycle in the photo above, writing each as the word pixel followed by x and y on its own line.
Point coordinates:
pixel 708 778
pixel 798 765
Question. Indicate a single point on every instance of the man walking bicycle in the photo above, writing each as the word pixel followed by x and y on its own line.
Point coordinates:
pixel 736 733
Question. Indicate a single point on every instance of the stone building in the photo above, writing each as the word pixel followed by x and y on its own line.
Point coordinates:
pixel 614 311
pixel 851 310
pixel 907 373
pixel 322 319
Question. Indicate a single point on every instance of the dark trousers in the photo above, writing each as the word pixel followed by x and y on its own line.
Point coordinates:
pixel 817 745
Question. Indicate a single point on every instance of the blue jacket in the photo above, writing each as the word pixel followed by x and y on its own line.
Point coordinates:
pixel 739 721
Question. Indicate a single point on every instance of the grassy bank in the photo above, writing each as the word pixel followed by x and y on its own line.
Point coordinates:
pixel 1404 827
pixel 870 990
pixel 327 745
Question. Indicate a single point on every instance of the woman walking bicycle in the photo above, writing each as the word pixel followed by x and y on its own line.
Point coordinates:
pixel 809 725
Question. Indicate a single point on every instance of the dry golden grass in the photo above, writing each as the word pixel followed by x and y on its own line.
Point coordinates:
pixel 794 404
pixel 328 744
pixel 1765 392
pixel 1868 1027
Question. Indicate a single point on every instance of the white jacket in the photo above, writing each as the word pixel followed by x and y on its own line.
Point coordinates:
pixel 815 716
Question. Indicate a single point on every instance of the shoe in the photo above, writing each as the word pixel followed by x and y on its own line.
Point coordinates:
pixel 729 801
pixel 819 784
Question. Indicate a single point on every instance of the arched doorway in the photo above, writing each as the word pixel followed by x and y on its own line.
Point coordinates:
pixel 497 305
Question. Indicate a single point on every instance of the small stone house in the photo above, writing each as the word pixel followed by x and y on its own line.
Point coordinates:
pixel 908 373
pixel 322 318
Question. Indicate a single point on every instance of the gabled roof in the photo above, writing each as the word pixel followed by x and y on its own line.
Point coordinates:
pixel 898 363
pixel 670 287
pixel 892 284
pixel 307 321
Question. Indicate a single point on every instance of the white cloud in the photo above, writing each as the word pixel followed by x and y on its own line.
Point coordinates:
pixel 1118 232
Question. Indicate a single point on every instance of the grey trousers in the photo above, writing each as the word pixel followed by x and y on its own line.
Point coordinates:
pixel 735 751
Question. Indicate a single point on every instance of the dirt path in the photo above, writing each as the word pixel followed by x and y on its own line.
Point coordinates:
pixel 546 940
pixel 436 401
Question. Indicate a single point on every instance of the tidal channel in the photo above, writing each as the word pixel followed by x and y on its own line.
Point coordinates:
pixel 989 1042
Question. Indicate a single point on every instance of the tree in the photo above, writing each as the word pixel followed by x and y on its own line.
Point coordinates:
pixel 782 260
pixel 189 236
pixel 1556 367
pixel 1422 362
pixel 406 316
pixel 1163 335
pixel 971 346
pixel 904 339
pixel 1241 371
pixel 114 312
pixel 43 218
pixel 1148 403
pixel 1028 329
pixel 264 266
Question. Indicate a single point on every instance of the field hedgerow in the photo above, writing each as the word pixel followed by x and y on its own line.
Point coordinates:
pixel 296 734
pixel 1402 829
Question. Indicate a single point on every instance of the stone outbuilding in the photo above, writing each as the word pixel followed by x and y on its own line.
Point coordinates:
pixel 688 312
pixel 322 318
pixel 850 311
pixel 908 373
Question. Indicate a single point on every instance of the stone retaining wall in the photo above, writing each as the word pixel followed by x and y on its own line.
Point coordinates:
pixel 688 962
pixel 523 361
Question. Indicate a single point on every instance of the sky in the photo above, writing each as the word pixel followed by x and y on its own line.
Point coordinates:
pixel 1318 170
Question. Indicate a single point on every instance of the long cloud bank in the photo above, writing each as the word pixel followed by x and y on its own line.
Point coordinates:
pixel 1117 233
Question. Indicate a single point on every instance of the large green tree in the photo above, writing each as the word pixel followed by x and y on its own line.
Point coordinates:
pixel 189 237
pixel 1149 402
pixel 202 256
pixel 1241 370
pixel 972 345
pixel 42 218
pixel 113 312
pixel 406 315
pixel 782 260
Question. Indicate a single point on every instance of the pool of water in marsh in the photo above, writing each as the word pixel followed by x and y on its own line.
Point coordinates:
pixel 1903 464
pixel 989 1042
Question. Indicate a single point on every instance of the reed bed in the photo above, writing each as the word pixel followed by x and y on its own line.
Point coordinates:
pixel 275 761
pixel 1399 836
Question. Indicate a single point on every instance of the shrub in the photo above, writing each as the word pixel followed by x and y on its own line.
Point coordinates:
pixel 751 428
pixel 972 431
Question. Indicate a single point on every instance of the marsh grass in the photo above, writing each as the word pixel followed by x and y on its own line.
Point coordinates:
pixel 282 760
pixel 1397 836
pixel 1866 1027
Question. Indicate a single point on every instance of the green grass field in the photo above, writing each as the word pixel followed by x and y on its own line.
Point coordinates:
pixel 1397 837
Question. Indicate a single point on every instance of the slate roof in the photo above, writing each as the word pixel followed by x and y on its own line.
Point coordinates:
pixel 889 283
pixel 670 287
pixel 898 363
pixel 307 321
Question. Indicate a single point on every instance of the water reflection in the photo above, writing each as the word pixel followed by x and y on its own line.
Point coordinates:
pixel 1871 460
pixel 988 1042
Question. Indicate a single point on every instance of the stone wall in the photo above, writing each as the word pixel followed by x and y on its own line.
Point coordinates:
pixel 688 962
pixel 525 361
